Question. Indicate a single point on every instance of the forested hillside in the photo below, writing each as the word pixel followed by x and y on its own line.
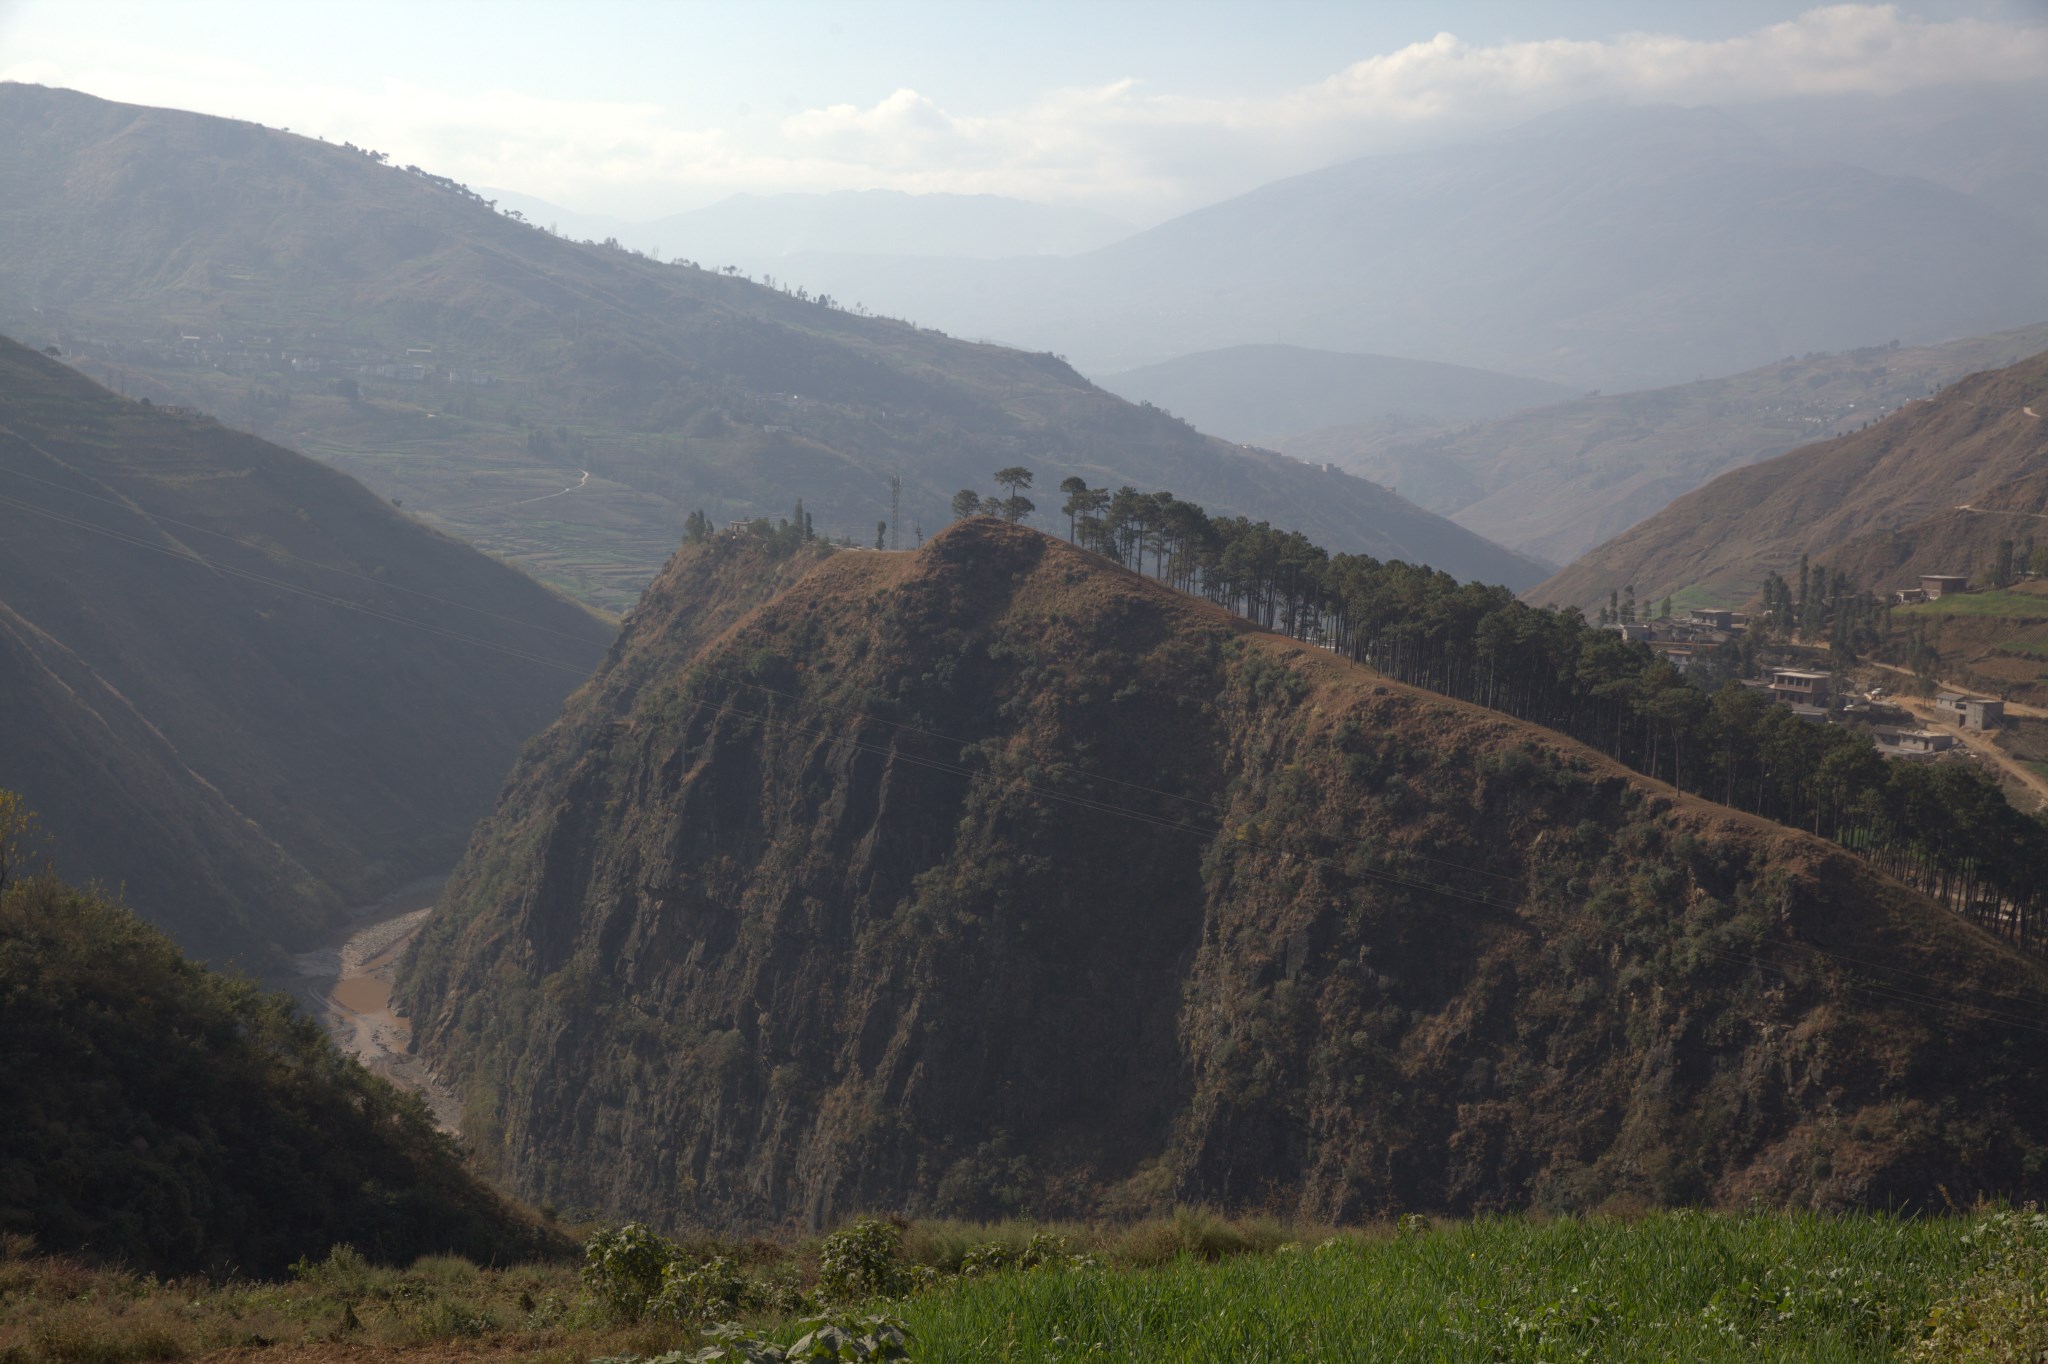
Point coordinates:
pixel 238 682
pixel 1715 544
pixel 165 1118
pixel 565 405
pixel 996 878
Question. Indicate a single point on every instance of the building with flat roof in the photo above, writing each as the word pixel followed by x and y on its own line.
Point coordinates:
pixel 1970 712
pixel 1938 585
pixel 1912 745
pixel 1799 688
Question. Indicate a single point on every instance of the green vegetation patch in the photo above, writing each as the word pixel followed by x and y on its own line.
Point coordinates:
pixel 2004 605
pixel 1192 1288
pixel 168 1117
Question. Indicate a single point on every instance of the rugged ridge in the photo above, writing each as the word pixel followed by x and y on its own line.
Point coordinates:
pixel 1717 542
pixel 996 878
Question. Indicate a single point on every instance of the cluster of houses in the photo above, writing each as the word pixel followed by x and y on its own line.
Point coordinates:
pixel 1680 640
pixel 1892 728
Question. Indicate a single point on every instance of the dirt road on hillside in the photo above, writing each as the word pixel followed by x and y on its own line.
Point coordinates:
pixel 1980 744
pixel 2019 708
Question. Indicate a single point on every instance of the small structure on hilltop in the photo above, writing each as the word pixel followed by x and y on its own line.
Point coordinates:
pixel 1797 688
pixel 1939 585
pixel 1971 712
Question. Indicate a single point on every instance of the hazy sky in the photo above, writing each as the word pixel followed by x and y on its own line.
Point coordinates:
pixel 640 107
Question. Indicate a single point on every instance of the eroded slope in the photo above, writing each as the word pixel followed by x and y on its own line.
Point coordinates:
pixel 994 877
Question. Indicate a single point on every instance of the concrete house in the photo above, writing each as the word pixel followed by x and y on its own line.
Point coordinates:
pixel 1938 585
pixel 1797 688
pixel 1970 712
pixel 1912 745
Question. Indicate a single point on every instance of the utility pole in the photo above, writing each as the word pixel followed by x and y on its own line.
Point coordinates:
pixel 895 506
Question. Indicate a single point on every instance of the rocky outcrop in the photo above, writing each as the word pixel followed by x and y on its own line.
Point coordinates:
pixel 995 878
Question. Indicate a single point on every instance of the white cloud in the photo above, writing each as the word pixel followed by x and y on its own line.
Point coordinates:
pixel 1116 145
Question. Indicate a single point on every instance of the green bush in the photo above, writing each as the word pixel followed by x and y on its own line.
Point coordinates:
pixel 625 1268
pixel 709 1290
pixel 862 1262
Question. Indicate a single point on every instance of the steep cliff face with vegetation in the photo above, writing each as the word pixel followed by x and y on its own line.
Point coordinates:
pixel 994 877
pixel 1716 543
pixel 238 681
pixel 170 1119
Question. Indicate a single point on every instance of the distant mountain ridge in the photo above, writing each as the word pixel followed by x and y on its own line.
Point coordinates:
pixel 1263 393
pixel 236 681
pixel 1557 480
pixel 1715 544
pixel 565 406
pixel 756 231
pixel 1609 246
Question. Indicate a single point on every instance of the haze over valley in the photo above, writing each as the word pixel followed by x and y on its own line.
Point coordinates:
pixel 840 681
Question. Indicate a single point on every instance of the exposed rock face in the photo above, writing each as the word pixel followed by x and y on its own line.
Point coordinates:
pixel 995 878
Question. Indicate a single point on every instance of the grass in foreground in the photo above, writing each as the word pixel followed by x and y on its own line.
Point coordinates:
pixel 1193 1288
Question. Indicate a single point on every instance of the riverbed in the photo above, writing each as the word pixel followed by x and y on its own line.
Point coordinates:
pixel 346 984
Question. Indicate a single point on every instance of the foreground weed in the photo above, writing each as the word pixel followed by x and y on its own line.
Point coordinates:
pixel 1998 1312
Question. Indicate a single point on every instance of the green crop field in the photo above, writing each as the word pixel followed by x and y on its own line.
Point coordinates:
pixel 1190 1289
pixel 2000 604
pixel 1673 1287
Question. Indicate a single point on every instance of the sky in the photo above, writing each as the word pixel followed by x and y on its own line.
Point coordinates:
pixel 637 108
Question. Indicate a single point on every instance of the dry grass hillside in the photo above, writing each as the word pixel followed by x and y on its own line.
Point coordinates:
pixel 1558 480
pixel 994 879
pixel 1961 539
pixel 1715 545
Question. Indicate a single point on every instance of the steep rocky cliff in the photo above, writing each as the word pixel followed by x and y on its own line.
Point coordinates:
pixel 994 877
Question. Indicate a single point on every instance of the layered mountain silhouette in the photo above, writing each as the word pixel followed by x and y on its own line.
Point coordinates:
pixel 1717 542
pixel 565 405
pixel 1555 481
pixel 1266 393
pixel 1602 246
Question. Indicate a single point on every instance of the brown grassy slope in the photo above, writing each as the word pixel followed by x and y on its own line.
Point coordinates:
pixel 128 227
pixel 1559 480
pixel 1719 541
pixel 311 716
pixel 997 878
pixel 1960 539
